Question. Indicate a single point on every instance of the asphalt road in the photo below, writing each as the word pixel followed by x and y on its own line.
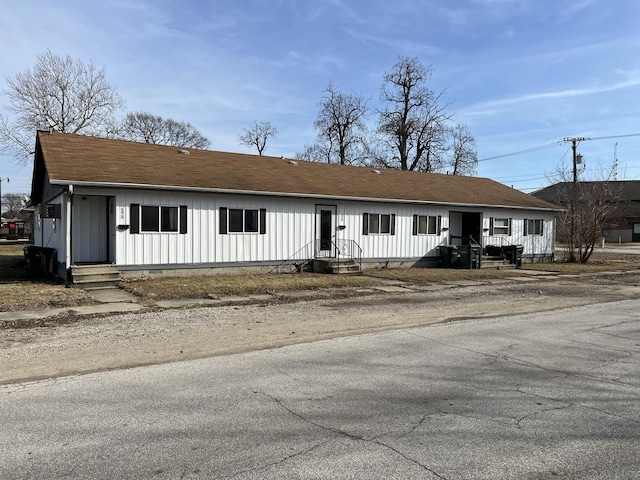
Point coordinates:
pixel 550 395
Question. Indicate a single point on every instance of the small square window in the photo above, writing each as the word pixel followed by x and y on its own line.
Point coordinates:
pixel 169 219
pixel 385 223
pixel 534 227
pixel 501 226
pixel 374 223
pixel 427 225
pixel 150 219
pixel 251 221
pixel 236 220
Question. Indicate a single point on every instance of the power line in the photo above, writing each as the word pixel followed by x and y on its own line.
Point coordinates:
pixel 554 144
pixel 529 150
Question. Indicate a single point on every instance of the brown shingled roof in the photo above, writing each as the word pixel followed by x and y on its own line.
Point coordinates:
pixel 78 159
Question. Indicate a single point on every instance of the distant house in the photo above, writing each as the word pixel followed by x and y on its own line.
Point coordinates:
pixel 626 224
pixel 150 209
pixel 15 228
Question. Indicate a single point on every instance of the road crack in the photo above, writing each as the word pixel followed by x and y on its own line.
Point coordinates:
pixel 357 438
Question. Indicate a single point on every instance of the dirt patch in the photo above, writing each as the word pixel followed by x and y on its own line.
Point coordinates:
pixel 121 341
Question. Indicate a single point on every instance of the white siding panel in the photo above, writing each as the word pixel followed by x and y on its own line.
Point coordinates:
pixel 291 230
pixel 533 244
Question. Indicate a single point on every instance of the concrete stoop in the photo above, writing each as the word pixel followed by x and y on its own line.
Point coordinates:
pixel 335 266
pixel 95 276
pixel 495 263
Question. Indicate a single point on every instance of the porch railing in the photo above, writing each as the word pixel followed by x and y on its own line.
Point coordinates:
pixel 341 249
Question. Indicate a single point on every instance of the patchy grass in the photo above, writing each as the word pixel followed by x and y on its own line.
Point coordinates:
pixel 11 262
pixel 600 261
pixel 19 293
pixel 426 276
pixel 215 286
pixel 39 296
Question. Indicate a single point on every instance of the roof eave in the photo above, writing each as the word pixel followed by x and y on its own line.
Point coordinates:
pixel 288 194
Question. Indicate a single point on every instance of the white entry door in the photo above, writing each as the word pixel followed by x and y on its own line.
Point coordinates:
pixel 89 229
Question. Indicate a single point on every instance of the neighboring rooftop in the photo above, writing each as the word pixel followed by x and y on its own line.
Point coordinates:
pixel 627 192
pixel 84 160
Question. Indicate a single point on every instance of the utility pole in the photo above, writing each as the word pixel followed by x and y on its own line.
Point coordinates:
pixel 577 158
pixel 574 195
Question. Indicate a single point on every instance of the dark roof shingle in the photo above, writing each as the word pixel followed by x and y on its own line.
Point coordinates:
pixel 78 159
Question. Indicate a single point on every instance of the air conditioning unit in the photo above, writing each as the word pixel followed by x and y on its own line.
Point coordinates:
pixel 51 210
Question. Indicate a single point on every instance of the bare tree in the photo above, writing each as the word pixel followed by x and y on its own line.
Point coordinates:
pixel 316 152
pixel 13 203
pixel 413 120
pixel 463 155
pixel 341 126
pixel 148 128
pixel 257 135
pixel 61 93
pixel 590 209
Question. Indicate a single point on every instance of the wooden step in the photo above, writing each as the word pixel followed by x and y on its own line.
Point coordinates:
pixel 95 276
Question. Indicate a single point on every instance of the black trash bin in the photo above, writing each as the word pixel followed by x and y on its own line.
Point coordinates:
pixel 513 253
pixel 39 261
pixel 475 254
pixel 470 256
pixel 449 255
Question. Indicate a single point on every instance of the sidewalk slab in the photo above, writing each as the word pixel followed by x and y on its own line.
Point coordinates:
pixel 111 295
pixel 432 288
pixel 298 293
pixel 187 302
pixel 31 314
pixel 233 299
pixel 466 283
pixel 392 289
pixel 261 297
pixel 119 307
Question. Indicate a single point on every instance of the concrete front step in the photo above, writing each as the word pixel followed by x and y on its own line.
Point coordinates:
pixel 487 262
pixel 95 276
pixel 332 265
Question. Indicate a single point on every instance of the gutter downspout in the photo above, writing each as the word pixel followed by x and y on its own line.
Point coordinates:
pixel 68 199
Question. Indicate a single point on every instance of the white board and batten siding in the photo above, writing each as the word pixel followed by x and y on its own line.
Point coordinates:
pixel 534 244
pixel 288 223
pixel 290 233
pixel 291 230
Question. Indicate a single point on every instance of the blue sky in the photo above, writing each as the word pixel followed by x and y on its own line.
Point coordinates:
pixel 520 73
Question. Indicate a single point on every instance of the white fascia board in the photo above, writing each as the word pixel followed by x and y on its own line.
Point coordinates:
pixel 293 195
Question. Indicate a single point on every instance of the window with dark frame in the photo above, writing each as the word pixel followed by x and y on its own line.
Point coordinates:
pixel 426 224
pixel 379 223
pixel 237 220
pixel 501 226
pixel 533 226
pixel 169 219
pixel 150 219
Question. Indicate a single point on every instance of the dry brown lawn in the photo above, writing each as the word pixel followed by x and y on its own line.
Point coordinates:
pixel 19 293
pixel 215 286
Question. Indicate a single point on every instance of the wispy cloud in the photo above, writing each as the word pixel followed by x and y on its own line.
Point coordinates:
pixel 493 107
pixel 395 43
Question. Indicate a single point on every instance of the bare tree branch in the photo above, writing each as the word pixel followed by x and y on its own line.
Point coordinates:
pixel 413 120
pixel 341 128
pixel 148 128
pixel 463 155
pixel 257 135
pixel 58 92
